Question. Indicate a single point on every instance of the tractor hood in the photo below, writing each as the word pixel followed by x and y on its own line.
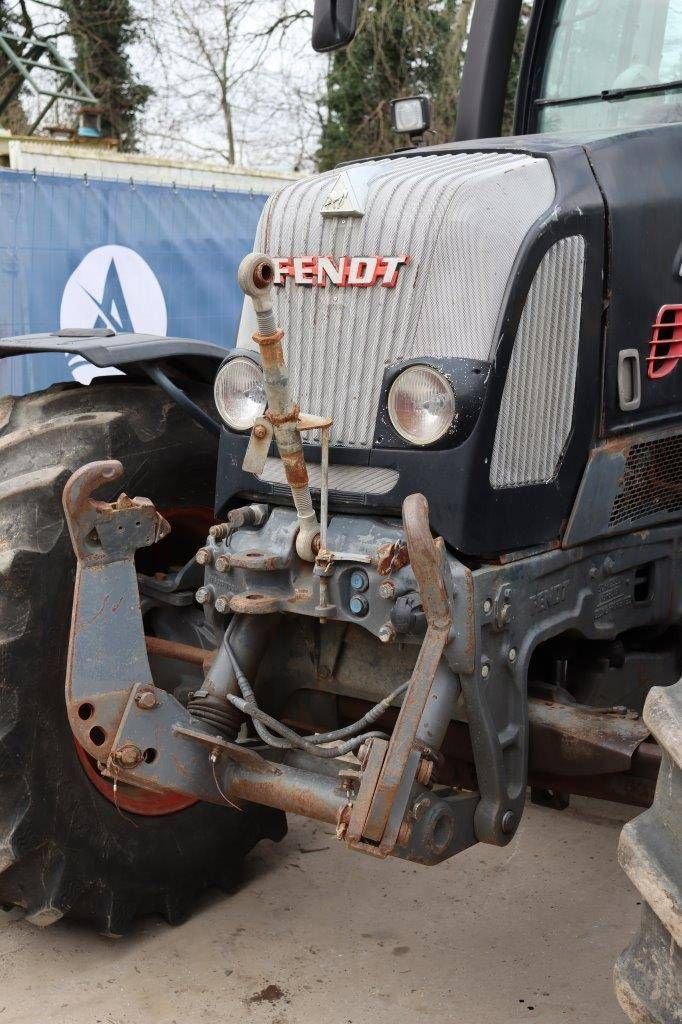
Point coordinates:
pixel 391 260
pixel 485 263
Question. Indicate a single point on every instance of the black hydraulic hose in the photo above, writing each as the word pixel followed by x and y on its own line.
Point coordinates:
pixel 251 709
pixel 372 715
pixel 181 399
pixel 248 694
pixel 287 738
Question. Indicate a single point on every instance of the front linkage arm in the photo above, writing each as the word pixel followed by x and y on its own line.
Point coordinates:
pixel 142 735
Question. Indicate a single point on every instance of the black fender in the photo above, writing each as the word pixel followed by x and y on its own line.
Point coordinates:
pixel 146 355
pixel 104 347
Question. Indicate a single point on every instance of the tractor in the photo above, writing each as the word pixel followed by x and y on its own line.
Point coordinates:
pixel 409 554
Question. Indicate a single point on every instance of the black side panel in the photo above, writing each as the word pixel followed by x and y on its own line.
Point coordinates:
pixel 640 177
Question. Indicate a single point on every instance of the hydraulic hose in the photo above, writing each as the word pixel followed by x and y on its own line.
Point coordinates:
pixel 285 738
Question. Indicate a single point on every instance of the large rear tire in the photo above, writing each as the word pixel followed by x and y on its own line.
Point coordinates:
pixel 65 849
pixel 648 975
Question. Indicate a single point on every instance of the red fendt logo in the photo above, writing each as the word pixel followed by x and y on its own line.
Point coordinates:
pixel 344 271
pixel 665 347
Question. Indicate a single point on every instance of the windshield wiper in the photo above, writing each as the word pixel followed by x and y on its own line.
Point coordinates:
pixel 611 94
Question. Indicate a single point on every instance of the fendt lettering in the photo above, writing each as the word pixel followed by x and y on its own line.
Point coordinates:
pixel 442 570
pixel 344 272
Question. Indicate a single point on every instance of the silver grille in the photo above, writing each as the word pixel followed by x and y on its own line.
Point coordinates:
pixel 345 479
pixel 537 404
pixel 461 218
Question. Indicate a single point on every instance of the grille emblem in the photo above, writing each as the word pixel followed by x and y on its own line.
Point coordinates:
pixel 342 200
pixel 350 189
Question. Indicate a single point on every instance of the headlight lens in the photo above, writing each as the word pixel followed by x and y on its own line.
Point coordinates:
pixel 421 405
pixel 239 393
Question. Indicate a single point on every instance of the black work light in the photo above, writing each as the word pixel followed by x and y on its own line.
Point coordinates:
pixel 411 114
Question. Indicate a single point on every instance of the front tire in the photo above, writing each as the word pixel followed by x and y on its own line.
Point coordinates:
pixel 648 975
pixel 66 850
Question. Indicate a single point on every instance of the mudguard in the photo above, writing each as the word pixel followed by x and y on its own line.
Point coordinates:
pixel 128 352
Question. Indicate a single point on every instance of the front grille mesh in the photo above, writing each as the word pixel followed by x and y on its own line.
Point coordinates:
pixel 651 486
pixel 344 479
pixel 461 218
pixel 536 413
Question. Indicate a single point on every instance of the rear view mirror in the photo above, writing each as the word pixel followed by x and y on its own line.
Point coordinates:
pixel 334 24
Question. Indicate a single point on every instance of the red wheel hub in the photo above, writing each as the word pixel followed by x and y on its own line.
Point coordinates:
pixel 189 529
pixel 131 798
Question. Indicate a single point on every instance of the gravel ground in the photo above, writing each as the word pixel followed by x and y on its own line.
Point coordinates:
pixel 318 935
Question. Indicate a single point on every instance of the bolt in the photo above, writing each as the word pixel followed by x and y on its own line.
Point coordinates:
pixel 203 595
pixel 508 822
pixel 594 572
pixel 512 654
pixel 222 605
pixel 359 581
pixel 404 834
pixel 219 531
pixel 609 566
pixel 203 556
pixel 358 605
pixel 420 807
pixel 487 606
pixel 485 669
pixel 387 590
pixel 425 772
pixel 259 432
pixel 129 756
pixel 222 563
pixel 387 633
pixel 146 699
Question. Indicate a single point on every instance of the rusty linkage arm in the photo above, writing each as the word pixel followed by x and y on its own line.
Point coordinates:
pixel 256 274
pixel 396 770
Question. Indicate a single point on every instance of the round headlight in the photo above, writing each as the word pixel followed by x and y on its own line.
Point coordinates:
pixel 421 405
pixel 239 393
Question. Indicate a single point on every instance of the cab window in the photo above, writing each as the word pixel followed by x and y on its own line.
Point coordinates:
pixel 612 64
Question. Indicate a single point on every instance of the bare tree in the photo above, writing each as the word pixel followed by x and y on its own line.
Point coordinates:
pixel 221 65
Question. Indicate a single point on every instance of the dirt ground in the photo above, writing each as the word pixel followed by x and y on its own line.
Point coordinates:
pixel 321 936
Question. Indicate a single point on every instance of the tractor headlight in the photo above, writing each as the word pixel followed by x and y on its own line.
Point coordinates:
pixel 421 405
pixel 239 392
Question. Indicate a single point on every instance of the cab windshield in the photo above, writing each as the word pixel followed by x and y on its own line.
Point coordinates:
pixel 612 64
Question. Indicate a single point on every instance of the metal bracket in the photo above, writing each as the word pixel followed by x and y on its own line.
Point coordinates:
pixel 107 655
pixel 391 784
pixel 258 446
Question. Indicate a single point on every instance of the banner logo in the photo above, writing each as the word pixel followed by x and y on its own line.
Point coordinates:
pixel 112 287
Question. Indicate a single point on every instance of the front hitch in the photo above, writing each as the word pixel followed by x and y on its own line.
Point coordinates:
pixel 143 736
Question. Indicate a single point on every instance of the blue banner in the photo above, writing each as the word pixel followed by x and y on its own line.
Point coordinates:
pixel 88 253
